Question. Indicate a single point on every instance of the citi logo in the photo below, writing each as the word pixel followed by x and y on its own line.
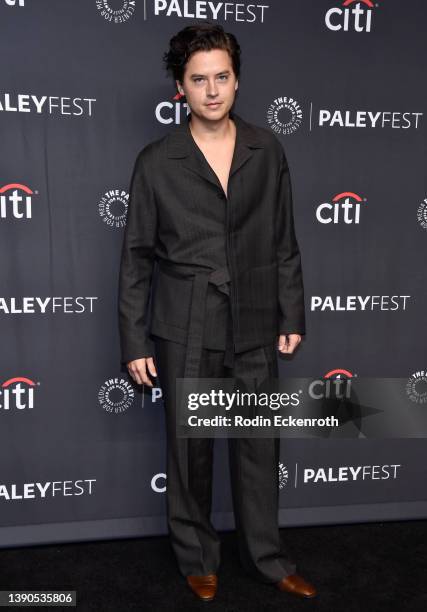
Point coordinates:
pixel 334 384
pixel 15 201
pixel 15 2
pixel 172 111
pixel 17 393
pixel 344 208
pixel 354 15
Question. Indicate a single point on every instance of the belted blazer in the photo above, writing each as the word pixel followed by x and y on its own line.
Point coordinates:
pixel 187 244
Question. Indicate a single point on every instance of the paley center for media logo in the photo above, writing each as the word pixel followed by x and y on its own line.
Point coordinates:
pixel 422 214
pixel 17 393
pixel 116 14
pixel 416 387
pixel 284 115
pixel 351 15
pixel 116 395
pixel 113 207
pixel 283 475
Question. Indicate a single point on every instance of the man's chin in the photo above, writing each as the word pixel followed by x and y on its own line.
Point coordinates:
pixel 207 114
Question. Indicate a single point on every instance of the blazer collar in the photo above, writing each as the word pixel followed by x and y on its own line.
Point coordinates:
pixel 181 144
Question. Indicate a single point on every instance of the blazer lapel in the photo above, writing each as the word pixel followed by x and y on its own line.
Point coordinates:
pixel 181 144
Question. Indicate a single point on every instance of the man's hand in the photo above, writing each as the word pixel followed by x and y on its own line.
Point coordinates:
pixel 288 342
pixel 138 370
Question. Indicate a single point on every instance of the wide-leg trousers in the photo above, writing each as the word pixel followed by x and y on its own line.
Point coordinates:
pixel 254 474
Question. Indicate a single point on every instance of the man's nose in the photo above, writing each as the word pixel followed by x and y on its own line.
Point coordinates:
pixel 212 88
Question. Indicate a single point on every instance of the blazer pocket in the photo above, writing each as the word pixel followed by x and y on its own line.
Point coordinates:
pixel 171 300
pixel 265 298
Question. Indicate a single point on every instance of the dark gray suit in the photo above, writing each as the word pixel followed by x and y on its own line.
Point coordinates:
pixel 204 243
pixel 224 277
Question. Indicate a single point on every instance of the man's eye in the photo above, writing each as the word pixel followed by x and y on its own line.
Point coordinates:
pixel 224 77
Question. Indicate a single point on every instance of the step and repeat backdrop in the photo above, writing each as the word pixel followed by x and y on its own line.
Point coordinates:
pixel 83 89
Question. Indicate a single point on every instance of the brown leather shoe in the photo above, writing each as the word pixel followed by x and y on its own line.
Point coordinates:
pixel 203 586
pixel 297 585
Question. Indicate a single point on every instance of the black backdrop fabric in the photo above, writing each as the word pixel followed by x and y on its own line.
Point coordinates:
pixel 83 89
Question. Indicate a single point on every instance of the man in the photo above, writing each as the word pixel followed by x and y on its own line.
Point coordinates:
pixel 211 210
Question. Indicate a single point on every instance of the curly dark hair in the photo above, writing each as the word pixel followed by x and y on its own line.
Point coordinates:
pixel 199 37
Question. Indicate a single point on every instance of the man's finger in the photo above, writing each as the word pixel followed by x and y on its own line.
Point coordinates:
pixel 283 343
pixel 151 366
pixel 144 376
pixel 134 374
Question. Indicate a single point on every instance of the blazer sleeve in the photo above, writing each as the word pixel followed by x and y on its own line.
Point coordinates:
pixel 290 281
pixel 136 266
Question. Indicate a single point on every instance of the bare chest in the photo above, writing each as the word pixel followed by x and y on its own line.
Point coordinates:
pixel 220 160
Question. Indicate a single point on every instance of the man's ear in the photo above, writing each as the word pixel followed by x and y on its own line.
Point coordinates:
pixel 179 87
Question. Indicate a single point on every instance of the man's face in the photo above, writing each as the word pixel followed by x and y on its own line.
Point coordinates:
pixel 209 78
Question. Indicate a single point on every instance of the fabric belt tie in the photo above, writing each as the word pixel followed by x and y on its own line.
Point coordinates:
pixel 201 278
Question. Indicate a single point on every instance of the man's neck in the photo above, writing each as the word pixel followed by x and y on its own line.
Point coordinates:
pixel 211 132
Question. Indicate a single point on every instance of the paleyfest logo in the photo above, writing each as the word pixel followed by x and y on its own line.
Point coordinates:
pixel 15 2
pixel 15 201
pixel 284 115
pixel 204 9
pixel 113 207
pixel 364 119
pixel 344 208
pixel 359 303
pixel 353 15
pixel 47 105
pixel 116 15
pixel 120 11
